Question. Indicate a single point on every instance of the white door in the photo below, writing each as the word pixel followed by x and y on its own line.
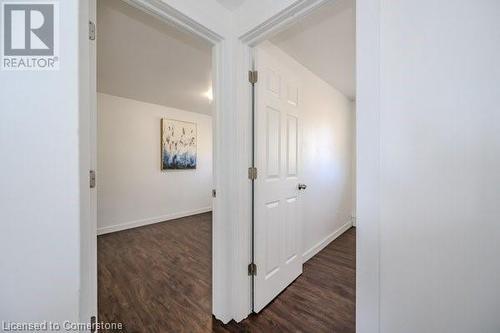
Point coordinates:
pixel 277 197
pixel 88 274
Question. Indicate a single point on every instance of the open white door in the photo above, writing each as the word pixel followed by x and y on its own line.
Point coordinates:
pixel 88 264
pixel 277 239
pixel 93 161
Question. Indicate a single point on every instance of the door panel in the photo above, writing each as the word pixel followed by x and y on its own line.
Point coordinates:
pixel 273 142
pixel 277 200
pixel 292 146
pixel 291 232
pixel 292 94
pixel 273 229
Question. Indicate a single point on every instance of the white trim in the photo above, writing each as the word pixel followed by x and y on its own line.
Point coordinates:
pixel 324 243
pixel 172 16
pixel 242 233
pixel 151 220
pixel 281 21
pixel 368 187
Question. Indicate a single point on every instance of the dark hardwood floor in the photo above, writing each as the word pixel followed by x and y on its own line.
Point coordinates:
pixel 322 299
pixel 157 278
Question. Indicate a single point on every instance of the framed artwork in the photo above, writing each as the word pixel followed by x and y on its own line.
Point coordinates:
pixel 178 145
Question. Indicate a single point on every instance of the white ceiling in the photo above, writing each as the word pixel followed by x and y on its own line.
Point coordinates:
pixel 231 4
pixel 325 43
pixel 142 58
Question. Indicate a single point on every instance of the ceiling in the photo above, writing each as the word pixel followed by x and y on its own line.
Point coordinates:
pixel 142 58
pixel 325 43
pixel 231 4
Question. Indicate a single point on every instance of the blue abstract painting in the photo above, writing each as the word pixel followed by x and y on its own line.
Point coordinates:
pixel 178 145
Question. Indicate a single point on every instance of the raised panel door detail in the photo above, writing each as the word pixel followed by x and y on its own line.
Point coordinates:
pixel 273 82
pixel 291 220
pixel 273 143
pixel 292 146
pixel 273 238
pixel 292 94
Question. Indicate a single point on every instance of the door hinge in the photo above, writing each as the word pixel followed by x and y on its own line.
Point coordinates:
pixel 91 30
pixel 93 325
pixel 253 76
pixel 214 193
pixel 92 178
pixel 252 173
pixel 252 269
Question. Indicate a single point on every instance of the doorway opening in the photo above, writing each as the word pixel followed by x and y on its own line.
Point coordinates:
pixel 304 211
pixel 155 170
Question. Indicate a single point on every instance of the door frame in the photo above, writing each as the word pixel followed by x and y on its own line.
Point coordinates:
pixel 221 222
pixel 367 149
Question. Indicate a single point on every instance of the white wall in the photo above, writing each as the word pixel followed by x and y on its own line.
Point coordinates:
pixel 440 166
pixel 327 120
pixel 132 188
pixel 39 187
pixel 367 166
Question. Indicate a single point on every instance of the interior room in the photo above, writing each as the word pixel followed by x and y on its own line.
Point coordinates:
pixel 154 162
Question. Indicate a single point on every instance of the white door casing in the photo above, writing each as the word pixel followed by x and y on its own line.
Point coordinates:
pixel 223 155
pixel 277 197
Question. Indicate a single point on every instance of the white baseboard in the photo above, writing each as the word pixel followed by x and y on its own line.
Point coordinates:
pixel 327 240
pixel 143 222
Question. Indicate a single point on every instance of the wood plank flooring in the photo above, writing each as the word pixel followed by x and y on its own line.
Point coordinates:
pixel 322 299
pixel 157 278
